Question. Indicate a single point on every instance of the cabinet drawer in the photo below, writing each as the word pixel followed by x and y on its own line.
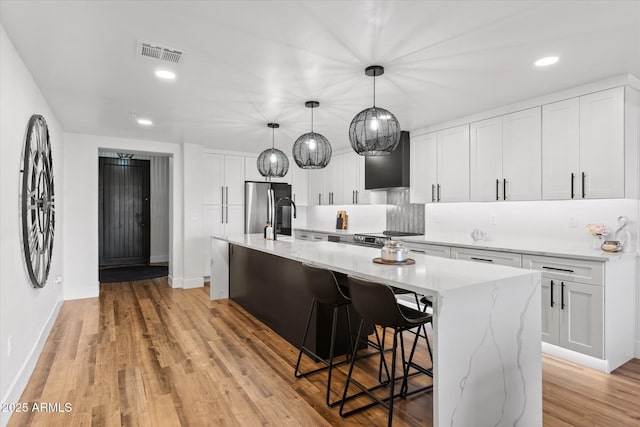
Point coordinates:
pixel 566 269
pixel 431 250
pixel 489 257
pixel 317 237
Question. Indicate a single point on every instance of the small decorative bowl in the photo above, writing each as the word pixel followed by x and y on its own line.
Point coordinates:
pixel 611 246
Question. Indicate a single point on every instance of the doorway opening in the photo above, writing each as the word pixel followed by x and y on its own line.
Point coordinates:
pixel 133 217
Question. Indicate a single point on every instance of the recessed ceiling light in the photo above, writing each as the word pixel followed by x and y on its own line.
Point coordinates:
pixel 145 122
pixel 165 74
pixel 546 61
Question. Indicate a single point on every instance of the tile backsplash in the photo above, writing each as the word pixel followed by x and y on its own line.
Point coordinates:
pixel 402 215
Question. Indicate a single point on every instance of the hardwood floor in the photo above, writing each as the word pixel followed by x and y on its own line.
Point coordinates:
pixel 145 354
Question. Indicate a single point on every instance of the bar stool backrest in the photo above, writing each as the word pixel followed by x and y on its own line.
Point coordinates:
pixel 323 285
pixel 375 303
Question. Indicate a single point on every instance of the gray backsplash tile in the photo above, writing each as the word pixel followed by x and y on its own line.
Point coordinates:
pixel 402 215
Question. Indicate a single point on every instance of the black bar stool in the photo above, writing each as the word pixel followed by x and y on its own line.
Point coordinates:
pixel 325 289
pixel 376 303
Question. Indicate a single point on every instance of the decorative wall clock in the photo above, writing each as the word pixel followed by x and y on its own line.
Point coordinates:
pixel 37 201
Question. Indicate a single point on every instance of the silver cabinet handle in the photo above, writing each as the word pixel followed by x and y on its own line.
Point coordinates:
pixel 497 189
pixel 227 207
pixel 357 197
pixel 584 192
pixel 353 196
pixel 573 194
pixel 418 251
pixel 438 192
pixel 222 194
pixel 319 198
pixel 222 214
pixel 433 193
pixel 227 195
pixel 504 189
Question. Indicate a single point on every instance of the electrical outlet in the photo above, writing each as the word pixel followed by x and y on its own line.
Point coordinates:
pixel 573 222
pixel 9 345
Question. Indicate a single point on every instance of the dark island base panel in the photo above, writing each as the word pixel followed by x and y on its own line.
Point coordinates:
pixel 271 288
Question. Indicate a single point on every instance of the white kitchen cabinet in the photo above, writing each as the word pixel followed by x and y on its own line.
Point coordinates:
pixel 453 165
pixel 550 320
pixel 561 150
pixel 602 144
pixel 583 147
pixel 350 177
pixel 223 179
pixel 333 181
pixel 431 250
pixel 522 155
pixel 440 166
pixel 234 219
pixel 316 188
pixel 234 180
pixel 299 185
pixel 424 168
pixel 213 179
pixel 506 157
pixel 488 257
pixel 486 160
pixel 581 318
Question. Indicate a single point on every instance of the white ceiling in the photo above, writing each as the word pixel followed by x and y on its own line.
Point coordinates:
pixel 248 63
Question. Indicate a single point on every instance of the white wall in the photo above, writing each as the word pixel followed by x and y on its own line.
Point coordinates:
pixel 159 203
pixel 194 238
pixel 362 218
pixel 81 204
pixel 26 314
pixel 545 223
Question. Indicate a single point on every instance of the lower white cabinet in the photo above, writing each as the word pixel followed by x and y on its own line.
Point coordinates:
pixel 488 257
pixel 431 250
pixel 219 220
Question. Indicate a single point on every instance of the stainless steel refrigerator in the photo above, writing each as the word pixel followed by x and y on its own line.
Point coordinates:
pixel 260 200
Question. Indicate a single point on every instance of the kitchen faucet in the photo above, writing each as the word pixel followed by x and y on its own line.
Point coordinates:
pixel 275 213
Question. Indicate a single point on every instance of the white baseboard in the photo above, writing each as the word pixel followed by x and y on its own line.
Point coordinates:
pixel 175 282
pixel 196 282
pixel 22 378
pixel 158 258
pixel 637 350
pixel 575 357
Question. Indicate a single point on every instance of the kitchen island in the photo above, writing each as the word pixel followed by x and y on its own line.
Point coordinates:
pixel 486 324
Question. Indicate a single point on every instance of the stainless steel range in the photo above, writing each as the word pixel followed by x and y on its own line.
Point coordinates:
pixel 377 240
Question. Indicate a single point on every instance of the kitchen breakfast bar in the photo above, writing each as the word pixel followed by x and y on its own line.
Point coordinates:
pixel 486 318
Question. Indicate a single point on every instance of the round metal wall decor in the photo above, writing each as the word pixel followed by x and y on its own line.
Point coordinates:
pixel 37 201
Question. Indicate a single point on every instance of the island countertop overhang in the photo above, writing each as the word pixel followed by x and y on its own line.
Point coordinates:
pixel 428 276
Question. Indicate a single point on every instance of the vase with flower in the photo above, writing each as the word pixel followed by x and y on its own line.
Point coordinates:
pixel 599 232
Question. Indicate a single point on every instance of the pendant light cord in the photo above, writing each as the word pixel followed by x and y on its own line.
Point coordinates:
pixel 374 88
pixel 312 119
pixel 273 138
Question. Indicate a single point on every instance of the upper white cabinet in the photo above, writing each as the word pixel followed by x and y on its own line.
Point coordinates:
pixel 299 185
pixel 351 177
pixel 583 147
pixel 251 169
pixel 602 144
pixel 440 166
pixel 506 157
pixel 234 180
pixel 224 179
pixel 561 150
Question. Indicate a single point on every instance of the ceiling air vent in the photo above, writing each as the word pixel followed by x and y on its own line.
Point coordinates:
pixel 160 53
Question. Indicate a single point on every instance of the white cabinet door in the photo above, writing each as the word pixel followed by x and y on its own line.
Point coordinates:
pixel 424 168
pixel 488 257
pixel 234 220
pixel 316 188
pixel 213 166
pixel 581 318
pixel 213 226
pixel 251 170
pixel 351 178
pixel 602 144
pixel 431 250
pixel 234 180
pixel 333 174
pixel 453 164
pixel 550 310
pixel 486 160
pixel 522 155
pixel 561 150
pixel 300 185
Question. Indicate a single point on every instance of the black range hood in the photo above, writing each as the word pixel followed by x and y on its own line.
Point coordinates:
pixel 392 171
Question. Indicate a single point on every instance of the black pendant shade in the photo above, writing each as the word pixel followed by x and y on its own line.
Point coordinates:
pixel 374 131
pixel 312 150
pixel 273 162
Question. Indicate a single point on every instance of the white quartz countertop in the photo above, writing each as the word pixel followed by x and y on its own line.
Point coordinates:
pixel 429 275
pixel 521 246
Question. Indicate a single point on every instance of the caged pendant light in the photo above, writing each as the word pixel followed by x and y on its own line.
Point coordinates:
pixel 374 131
pixel 273 162
pixel 312 150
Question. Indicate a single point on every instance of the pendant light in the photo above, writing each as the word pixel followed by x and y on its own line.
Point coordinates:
pixel 312 150
pixel 273 162
pixel 374 131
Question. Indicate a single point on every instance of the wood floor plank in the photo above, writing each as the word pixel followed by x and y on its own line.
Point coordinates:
pixel 144 354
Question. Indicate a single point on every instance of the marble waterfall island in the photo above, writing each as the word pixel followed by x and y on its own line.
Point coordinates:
pixel 486 325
